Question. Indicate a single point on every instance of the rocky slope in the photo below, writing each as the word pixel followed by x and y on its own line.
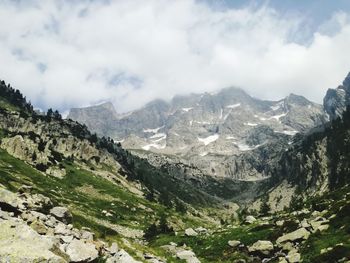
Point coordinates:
pixel 207 130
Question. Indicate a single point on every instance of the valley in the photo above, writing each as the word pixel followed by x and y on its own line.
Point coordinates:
pixel 83 197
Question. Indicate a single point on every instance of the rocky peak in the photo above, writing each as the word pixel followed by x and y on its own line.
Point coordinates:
pixel 336 100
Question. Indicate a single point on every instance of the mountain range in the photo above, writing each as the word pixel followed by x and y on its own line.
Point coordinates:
pixel 209 131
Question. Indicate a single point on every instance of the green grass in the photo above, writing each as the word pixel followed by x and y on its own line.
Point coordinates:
pixel 214 247
pixel 8 106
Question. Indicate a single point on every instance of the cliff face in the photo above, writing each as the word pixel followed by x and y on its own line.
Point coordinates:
pixel 336 100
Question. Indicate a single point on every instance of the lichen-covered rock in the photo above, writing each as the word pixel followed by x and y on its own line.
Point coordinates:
pixel 20 243
pixel 300 234
pixel 262 246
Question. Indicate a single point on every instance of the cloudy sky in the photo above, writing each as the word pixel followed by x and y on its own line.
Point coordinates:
pixel 65 54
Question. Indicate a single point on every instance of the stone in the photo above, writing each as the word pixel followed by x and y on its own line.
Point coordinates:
pixel 190 232
pixel 282 260
pixel 287 246
pixel 323 228
pixel 62 214
pixel 20 243
pixel 67 239
pixel 10 201
pixel 79 251
pixel 201 230
pixel 234 243
pixel 39 227
pixel 279 223
pixel 293 257
pixel 187 255
pixel 122 257
pixel 250 219
pixel 86 235
pixel 262 246
pixel 296 235
pixel 61 229
pixel 114 248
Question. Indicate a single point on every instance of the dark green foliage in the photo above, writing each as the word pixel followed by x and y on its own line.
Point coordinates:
pixel 156 229
pixel 15 97
pixel 41 146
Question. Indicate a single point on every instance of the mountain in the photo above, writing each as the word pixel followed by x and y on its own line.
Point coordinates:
pixel 206 130
pixel 106 112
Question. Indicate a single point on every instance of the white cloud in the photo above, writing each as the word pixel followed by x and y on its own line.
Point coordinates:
pixel 63 54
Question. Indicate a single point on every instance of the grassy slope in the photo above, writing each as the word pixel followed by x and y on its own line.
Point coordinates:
pixel 87 195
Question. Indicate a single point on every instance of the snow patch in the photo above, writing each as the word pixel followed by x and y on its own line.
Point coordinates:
pixel 187 109
pixel 290 133
pixel 154 145
pixel 158 135
pixel 209 139
pixel 245 147
pixel 250 124
pixel 230 138
pixel 277 106
pixel 203 154
pixel 155 130
pixel 233 106
pixel 202 122
pixel 221 113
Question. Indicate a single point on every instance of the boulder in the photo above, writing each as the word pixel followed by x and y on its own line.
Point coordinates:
pixel 86 235
pixel 293 257
pixel 250 219
pixel 201 230
pixel 20 243
pixel 262 246
pixel 300 234
pixel 62 214
pixel 279 223
pixel 190 232
pixel 122 257
pixel 114 248
pixel 187 255
pixel 10 201
pixel 79 251
pixel 234 243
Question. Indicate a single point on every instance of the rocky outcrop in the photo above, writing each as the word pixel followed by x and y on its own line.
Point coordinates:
pixel 336 100
pixel 27 235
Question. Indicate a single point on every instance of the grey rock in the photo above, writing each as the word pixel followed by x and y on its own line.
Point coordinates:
pixel 61 213
pixel 122 257
pixel 300 234
pixel 250 219
pixel 190 232
pixel 79 251
pixel 262 246
pixel 187 255
pixel 234 243
pixel 20 243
